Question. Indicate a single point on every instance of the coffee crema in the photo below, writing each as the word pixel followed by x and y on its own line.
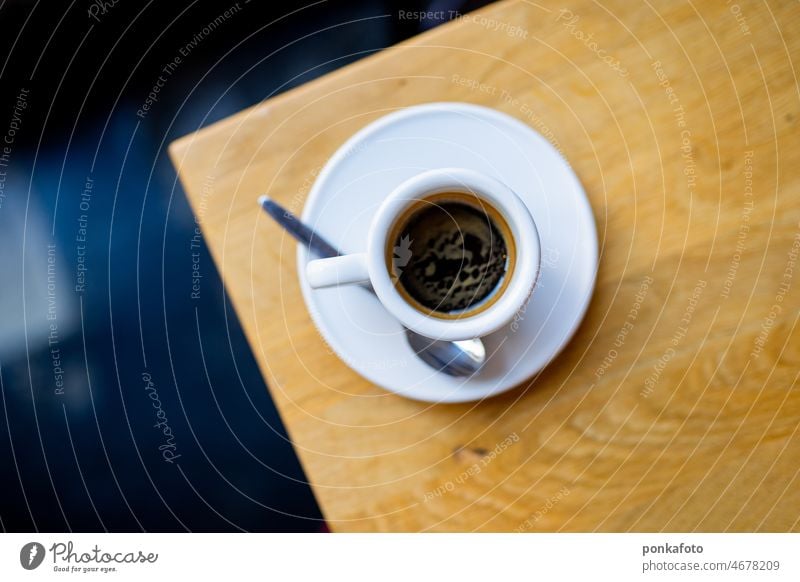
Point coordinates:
pixel 451 255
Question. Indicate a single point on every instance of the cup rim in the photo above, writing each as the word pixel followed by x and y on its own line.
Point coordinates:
pixel 526 239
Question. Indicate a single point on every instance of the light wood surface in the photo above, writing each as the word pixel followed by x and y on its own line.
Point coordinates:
pixel 709 229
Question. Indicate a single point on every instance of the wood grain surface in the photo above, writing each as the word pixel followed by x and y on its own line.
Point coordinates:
pixel 676 406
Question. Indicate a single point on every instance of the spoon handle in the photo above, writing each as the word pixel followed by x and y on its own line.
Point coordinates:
pixel 314 241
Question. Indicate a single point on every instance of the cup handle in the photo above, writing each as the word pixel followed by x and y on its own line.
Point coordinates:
pixel 344 270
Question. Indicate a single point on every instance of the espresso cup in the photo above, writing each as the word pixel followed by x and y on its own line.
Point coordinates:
pixel 452 253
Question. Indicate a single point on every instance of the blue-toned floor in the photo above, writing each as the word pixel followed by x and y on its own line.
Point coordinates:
pixel 130 398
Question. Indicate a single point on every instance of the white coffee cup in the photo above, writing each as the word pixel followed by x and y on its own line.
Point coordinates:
pixel 511 294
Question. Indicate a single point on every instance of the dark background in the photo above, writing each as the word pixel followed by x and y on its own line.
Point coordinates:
pixel 88 459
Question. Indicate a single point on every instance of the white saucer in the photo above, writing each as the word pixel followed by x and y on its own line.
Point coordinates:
pixel 369 165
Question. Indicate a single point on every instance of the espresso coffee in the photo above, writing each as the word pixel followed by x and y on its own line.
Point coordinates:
pixel 451 254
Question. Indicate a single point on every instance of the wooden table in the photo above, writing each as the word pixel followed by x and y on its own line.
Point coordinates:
pixel 676 406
